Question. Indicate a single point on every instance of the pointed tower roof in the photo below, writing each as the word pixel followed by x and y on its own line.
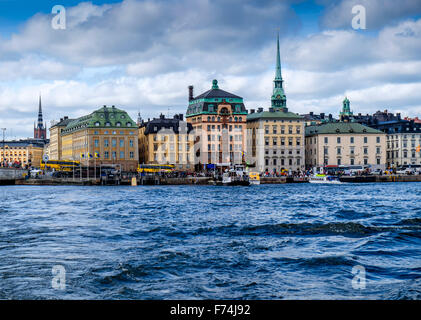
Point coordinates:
pixel 278 74
pixel 40 120
pixel 278 99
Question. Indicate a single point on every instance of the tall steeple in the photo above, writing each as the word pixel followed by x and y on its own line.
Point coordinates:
pixel 40 121
pixel 279 100
pixel 40 131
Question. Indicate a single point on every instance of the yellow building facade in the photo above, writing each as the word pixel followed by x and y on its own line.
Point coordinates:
pixel 107 136
pixel 25 152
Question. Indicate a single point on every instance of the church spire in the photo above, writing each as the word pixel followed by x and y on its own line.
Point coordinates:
pixel 40 131
pixel 40 121
pixel 279 100
pixel 278 74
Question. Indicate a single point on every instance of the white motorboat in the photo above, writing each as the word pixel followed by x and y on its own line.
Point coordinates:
pixel 322 178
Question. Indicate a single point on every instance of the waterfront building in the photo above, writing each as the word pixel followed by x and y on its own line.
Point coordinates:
pixel 403 139
pixel 275 138
pixel 55 138
pixel 345 143
pixel 219 122
pixel 166 141
pixel 403 136
pixel 25 153
pixel 107 136
pixel 40 130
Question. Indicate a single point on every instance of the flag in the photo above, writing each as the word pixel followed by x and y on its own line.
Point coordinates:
pixel 419 148
pixel 97 155
pixel 82 156
pixel 90 155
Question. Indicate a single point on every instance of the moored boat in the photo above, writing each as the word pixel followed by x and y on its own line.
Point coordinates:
pixel 322 178
pixel 236 176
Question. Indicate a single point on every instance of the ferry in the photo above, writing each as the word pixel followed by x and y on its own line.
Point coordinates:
pixel 322 178
pixel 254 178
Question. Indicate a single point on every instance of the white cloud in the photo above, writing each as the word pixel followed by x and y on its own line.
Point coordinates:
pixel 378 12
pixel 140 55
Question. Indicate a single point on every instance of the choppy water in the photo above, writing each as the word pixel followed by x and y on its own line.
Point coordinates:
pixel 197 242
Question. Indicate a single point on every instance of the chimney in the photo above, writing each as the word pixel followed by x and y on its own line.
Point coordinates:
pixel 271 110
pixel 252 110
pixel 322 115
pixel 66 117
pixel 330 116
pixel 260 110
pixel 311 113
pixel 191 97
pixel 161 116
pixel 181 117
pixel 399 116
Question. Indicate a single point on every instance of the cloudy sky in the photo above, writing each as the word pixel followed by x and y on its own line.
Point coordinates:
pixel 140 55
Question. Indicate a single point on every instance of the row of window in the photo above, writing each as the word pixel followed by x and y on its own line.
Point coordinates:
pixel 352 161
pixel 282 141
pixel 282 162
pixel 405 145
pixel 237 147
pixel 395 154
pixel 274 152
pixel 224 126
pixel 113 143
pixel 339 140
pixel 405 137
pixel 218 137
pixel 114 132
pixel 114 155
pixel 282 129
pixel 351 150
pixel 108 124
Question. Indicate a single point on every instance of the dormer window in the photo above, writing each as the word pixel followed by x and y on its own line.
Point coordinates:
pixel 129 124
pixel 118 124
pixel 107 124
pixel 97 124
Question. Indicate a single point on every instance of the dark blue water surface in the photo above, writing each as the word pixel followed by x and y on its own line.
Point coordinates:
pixel 291 241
